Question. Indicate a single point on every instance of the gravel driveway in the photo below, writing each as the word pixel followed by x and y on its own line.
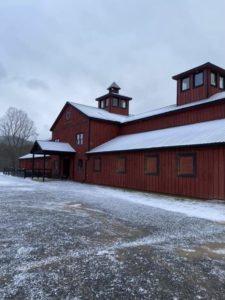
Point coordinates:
pixel 65 240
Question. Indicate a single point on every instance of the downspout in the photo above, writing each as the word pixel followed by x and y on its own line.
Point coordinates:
pixel 33 166
pixel 86 160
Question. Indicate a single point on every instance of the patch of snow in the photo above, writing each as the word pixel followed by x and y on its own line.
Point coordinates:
pixel 219 251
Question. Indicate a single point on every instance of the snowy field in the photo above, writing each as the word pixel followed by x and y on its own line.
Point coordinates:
pixel 65 240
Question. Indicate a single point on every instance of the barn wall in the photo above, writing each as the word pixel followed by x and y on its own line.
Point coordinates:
pixel 101 132
pixel 195 115
pixel 207 184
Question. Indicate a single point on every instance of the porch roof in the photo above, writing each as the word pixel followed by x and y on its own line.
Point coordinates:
pixel 50 147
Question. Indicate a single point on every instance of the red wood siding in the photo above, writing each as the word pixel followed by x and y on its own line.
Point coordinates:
pixel 207 184
pixel 197 93
pixel 101 132
pixel 195 115
pixel 38 163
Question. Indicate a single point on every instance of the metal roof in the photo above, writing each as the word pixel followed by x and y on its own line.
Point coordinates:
pixel 50 147
pixel 203 133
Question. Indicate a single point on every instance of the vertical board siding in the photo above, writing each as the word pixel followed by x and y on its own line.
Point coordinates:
pixel 198 114
pixel 207 184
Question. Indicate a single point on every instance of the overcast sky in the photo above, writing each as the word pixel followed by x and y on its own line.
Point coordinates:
pixel 53 51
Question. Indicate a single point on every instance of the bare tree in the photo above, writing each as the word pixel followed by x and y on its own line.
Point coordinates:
pixel 17 129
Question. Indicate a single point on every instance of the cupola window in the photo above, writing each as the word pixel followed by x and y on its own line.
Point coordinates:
pixel 123 103
pixel 213 79
pixel 221 82
pixel 198 79
pixel 115 102
pixel 185 84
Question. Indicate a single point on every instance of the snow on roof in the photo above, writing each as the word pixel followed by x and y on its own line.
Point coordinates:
pixel 174 107
pixel 194 134
pixel 98 113
pixel 55 146
pixel 29 156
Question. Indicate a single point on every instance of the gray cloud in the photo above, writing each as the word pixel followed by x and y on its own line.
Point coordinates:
pixel 37 84
pixel 3 73
pixel 78 48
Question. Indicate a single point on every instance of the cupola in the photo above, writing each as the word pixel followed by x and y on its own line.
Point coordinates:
pixel 114 102
pixel 199 83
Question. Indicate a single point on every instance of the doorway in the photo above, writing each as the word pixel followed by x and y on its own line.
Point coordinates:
pixel 66 168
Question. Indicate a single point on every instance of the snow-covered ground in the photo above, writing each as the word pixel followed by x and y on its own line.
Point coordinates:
pixel 65 240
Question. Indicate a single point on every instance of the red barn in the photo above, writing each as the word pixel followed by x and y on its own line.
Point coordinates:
pixel 178 149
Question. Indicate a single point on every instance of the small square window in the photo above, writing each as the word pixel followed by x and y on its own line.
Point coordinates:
pixel 151 164
pixel 115 102
pixel 213 79
pixel 198 79
pixel 186 164
pixel 185 84
pixel 121 165
pixel 97 164
pixel 79 138
pixel 221 82
pixel 123 103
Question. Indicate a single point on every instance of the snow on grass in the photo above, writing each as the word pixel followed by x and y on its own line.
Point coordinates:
pixel 208 210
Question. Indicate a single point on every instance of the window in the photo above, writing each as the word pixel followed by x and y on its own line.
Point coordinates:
pixel 121 165
pixel 79 138
pixel 107 102
pixel 115 102
pixel 198 79
pixel 123 103
pixel 213 79
pixel 186 164
pixel 102 103
pixel 151 164
pixel 221 82
pixel 185 84
pixel 97 164
pixel 80 165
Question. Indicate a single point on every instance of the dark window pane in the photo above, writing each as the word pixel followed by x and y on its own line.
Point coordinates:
pixel 221 82
pixel 185 84
pixel 198 79
pixel 213 79
pixel 115 102
pixel 123 103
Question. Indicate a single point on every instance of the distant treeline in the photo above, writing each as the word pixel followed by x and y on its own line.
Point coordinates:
pixel 9 155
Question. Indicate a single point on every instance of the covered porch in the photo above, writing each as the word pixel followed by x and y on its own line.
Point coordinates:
pixel 63 151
